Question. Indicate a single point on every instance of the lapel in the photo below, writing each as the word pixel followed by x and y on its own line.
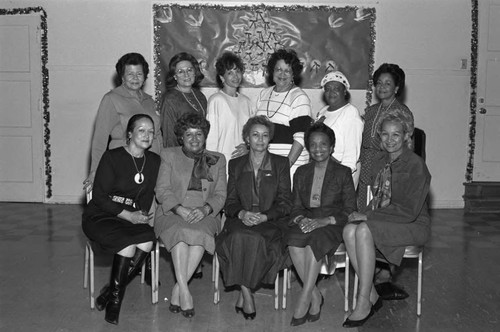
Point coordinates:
pixel 183 167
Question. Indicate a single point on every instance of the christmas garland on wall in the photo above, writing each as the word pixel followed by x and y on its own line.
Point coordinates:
pixel 473 91
pixel 45 86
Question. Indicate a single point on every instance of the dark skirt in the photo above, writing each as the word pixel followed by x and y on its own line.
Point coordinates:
pixel 251 256
pixel 112 234
pixel 323 241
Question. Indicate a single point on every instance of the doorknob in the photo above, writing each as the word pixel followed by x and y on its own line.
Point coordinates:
pixel 482 110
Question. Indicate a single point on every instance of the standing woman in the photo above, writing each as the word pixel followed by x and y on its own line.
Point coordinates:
pixel 251 250
pixel 228 110
pixel 116 108
pixel 344 119
pixel 116 219
pixel 191 191
pixel 287 106
pixel 389 80
pixel 182 95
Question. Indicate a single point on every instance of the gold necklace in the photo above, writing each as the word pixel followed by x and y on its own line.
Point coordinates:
pixel 270 95
pixel 191 104
pixel 139 177
pixel 376 116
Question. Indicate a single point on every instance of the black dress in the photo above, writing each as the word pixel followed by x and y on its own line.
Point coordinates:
pixel 115 190
pixel 338 199
pixel 251 256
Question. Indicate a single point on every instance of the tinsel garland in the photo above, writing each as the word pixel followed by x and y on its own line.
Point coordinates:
pixel 156 36
pixel 45 86
pixel 473 91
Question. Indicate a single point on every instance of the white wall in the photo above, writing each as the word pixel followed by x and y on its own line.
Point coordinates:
pixel 426 38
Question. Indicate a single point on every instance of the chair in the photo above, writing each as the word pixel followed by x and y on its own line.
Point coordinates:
pixel 329 266
pixel 88 274
pixel 215 279
pixel 410 252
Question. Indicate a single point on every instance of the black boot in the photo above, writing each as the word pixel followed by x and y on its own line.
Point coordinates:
pixel 117 286
pixel 135 266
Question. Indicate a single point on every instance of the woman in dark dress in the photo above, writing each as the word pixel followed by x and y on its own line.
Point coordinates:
pixel 396 217
pixel 117 219
pixel 182 95
pixel 250 248
pixel 324 197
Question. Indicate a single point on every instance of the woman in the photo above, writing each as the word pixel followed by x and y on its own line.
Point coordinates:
pixel 343 118
pixel 116 108
pixel 228 110
pixel 389 80
pixel 287 106
pixel 324 196
pixel 250 248
pixel 191 191
pixel 182 95
pixel 116 219
pixel 397 215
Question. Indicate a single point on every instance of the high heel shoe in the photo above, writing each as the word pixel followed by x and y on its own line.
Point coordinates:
pixel 299 321
pixel 378 305
pixel 315 317
pixel 238 309
pixel 174 308
pixel 250 316
pixel 188 313
pixel 357 323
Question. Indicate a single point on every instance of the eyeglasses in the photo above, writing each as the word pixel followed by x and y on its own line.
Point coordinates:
pixel 186 71
pixel 280 71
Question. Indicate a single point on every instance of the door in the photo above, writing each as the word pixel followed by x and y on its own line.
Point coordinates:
pixel 487 152
pixel 21 127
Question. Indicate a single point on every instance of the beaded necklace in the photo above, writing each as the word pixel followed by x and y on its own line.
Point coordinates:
pixel 376 117
pixel 191 104
pixel 270 95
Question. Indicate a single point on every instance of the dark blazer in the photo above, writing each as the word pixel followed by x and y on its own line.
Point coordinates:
pixel 338 196
pixel 274 196
pixel 174 177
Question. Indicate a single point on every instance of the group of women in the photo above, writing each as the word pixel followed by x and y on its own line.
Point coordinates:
pixel 180 157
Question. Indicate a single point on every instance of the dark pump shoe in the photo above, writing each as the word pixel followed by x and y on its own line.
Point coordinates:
pixel 357 323
pixel 389 291
pixel 174 308
pixel 315 317
pixel 188 313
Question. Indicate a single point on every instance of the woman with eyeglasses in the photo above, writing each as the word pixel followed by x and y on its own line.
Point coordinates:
pixel 182 95
pixel 287 106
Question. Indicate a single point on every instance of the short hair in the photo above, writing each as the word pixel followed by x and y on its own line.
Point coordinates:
pixel 290 57
pixel 191 121
pixel 397 114
pixel 257 120
pixel 319 127
pixel 397 74
pixel 133 59
pixel 227 61
pixel 132 123
pixel 170 81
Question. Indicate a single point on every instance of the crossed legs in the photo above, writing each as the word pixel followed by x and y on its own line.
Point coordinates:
pixel 361 249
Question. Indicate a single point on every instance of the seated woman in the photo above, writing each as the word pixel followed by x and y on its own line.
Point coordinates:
pixel 250 248
pixel 324 197
pixel 397 215
pixel 116 218
pixel 191 191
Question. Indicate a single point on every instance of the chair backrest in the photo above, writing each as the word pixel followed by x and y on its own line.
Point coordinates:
pixel 89 196
pixel 419 142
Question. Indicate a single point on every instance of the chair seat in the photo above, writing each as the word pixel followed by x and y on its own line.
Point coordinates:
pixel 413 251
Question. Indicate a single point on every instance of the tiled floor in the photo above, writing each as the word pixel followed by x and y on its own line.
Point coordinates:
pixel 41 277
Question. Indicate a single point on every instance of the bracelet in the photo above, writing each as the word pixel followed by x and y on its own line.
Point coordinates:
pixel 298 219
pixel 208 208
pixel 332 220
pixel 240 214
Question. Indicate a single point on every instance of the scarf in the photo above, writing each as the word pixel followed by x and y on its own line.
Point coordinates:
pixel 382 189
pixel 202 162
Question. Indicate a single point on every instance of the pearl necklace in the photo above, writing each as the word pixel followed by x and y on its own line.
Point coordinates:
pixel 374 124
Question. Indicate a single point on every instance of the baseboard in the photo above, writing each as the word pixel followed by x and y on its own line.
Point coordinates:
pixel 444 204
pixel 66 199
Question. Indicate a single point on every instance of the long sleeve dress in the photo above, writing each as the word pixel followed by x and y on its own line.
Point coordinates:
pixel 338 200
pixel 405 221
pixel 115 190
pixel 251 256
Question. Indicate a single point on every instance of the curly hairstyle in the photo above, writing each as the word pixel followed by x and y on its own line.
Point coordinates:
pixel 170 81
pixel 132 124
pixel 191 121
pixel 397 114
pixel 128 59
pixel 257 120
pixel 319 127
pixel 397 74
pixel 290 57
pixel 227 61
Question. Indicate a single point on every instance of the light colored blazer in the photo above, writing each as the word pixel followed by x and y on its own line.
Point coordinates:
pixel 174 177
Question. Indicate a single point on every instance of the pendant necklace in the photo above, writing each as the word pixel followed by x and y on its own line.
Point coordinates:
pixel 139 177
pixel 191 104
pixel 270 95
pixel 376 116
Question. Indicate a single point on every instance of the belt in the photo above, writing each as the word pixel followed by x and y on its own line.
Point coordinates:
pixel 123 200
